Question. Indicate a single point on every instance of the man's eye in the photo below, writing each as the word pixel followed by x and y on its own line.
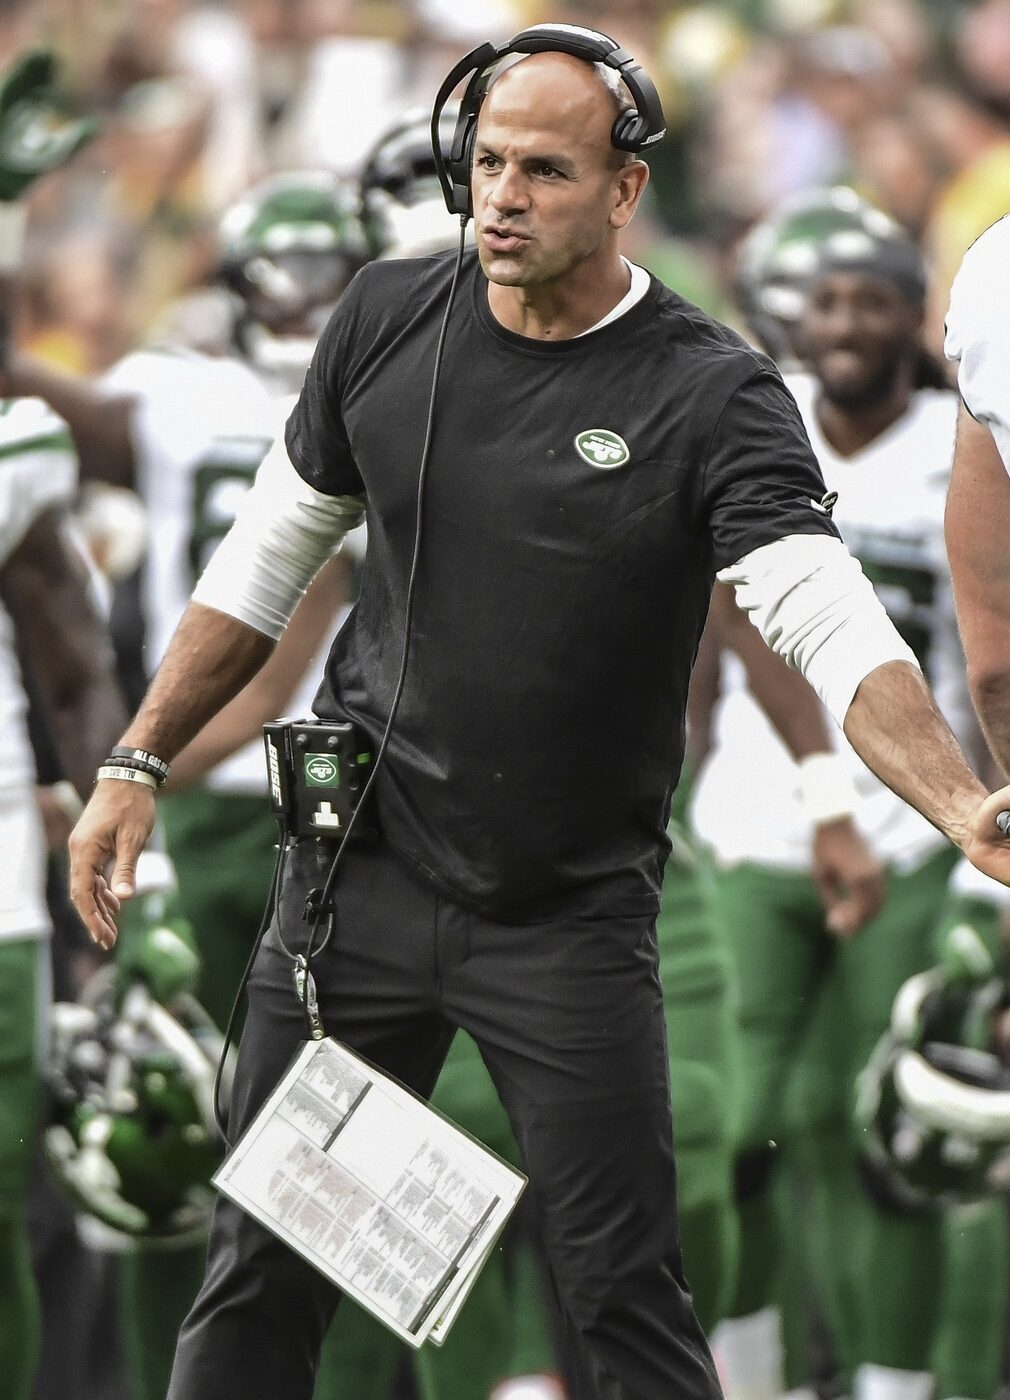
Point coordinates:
pixel 487 162
pixel 547 170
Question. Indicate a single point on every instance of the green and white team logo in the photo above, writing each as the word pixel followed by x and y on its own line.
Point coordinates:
pixel 602 448
pixel 321 771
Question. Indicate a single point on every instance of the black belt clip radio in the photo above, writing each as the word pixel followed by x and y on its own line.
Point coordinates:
pixel 317 772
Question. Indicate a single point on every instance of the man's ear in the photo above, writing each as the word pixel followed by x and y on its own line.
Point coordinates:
pixel 631 181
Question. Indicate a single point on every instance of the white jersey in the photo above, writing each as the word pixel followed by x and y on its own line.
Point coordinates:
pixel 202 427
pixel 38 471
pixel 890 510
pixel 978 332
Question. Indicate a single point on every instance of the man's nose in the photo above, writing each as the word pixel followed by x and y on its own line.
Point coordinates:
pixel 844 323
pixel 510 192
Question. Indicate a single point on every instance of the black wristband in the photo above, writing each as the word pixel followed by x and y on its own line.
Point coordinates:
pixel 140 758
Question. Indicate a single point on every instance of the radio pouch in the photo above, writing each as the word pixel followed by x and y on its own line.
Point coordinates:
pixel 317 772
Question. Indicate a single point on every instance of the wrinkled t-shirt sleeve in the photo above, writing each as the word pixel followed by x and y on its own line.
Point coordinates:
pixel 315 435
pixel 761 478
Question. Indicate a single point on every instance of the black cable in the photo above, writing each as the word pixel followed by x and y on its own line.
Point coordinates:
pixel 327 890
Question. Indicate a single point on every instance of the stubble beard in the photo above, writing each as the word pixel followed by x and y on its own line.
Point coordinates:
pixel 861 395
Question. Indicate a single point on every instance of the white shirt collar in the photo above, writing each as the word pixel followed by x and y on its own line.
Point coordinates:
pixel 634 294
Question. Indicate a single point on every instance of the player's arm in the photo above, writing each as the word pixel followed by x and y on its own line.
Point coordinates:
pixel 47 592
pixel 269 693
pixel 977 527
pixel 849 875
pixel 100 421
pixel 813 605
pixel 784 696
pixel 702 696
pixel 284 532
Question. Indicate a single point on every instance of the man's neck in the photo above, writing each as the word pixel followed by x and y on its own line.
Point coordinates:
pixel 849 431
pixel 562 309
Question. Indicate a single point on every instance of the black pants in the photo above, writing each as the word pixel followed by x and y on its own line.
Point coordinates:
pixel 568 1017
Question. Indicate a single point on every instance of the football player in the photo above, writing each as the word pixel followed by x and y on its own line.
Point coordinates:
pixel 882 427
pixel 46 615
pixel 188 431
pixel 49 623
pixel 48 620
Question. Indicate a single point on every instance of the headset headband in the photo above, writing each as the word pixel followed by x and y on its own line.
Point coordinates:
pixel 634 129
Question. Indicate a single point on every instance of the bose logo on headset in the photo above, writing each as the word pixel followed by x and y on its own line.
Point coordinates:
pixel 633 129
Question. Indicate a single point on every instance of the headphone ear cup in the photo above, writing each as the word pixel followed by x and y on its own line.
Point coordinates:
pixel 466 172
pixel 464 139
pixel 627 131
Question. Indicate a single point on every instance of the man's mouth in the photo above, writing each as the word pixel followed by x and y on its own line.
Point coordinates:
pixel 501 239
pixel 843 362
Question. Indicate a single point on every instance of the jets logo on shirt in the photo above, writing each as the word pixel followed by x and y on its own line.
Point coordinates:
pixel 602 448
pixel 826 504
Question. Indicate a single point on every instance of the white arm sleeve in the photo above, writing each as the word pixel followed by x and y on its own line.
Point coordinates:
pixel 284 532
pixel 813 605
pixel 978 332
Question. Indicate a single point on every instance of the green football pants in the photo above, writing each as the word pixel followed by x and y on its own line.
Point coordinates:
pixel 23 983
pixel 699 998
pixel 811 1011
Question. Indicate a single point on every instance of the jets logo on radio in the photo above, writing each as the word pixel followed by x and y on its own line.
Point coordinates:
pixel 602 448
pixel 321 771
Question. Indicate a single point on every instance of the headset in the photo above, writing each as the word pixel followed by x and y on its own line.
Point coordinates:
pixel 635 129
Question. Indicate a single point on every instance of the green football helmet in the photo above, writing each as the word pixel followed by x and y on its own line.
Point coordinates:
pixel 782 254
pixel 132 1136
pixel 933 1104
pixel 287 249
pixel 38 133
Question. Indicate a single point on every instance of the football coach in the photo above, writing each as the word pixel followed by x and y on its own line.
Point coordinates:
pixel 599 451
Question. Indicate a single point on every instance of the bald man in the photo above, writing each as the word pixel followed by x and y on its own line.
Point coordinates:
pixel 601 449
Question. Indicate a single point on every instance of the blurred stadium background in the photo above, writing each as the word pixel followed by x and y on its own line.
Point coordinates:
pixel 909 102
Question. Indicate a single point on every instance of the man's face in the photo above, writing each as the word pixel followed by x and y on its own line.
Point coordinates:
pixel 858 333
pixel 546 180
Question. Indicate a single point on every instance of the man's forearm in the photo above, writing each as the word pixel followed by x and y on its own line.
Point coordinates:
pixel 977 529
pixel 895 727
pixel 990 692
pixel 85 725
pixel 210 658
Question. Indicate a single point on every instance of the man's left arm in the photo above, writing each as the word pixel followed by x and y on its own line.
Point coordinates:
pixel 302 645
pixel 977 526
pixel 813 605
pixel 47 591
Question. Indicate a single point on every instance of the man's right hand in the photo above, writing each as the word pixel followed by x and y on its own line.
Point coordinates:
pixel 104 847
pixel 850 877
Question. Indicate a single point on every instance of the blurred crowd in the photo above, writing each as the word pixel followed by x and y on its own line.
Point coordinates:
pixel 906 100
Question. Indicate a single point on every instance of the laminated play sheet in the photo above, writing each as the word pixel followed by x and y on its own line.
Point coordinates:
pixel 382 1194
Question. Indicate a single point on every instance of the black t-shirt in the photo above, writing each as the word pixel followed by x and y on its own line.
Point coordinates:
pixel 561 589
